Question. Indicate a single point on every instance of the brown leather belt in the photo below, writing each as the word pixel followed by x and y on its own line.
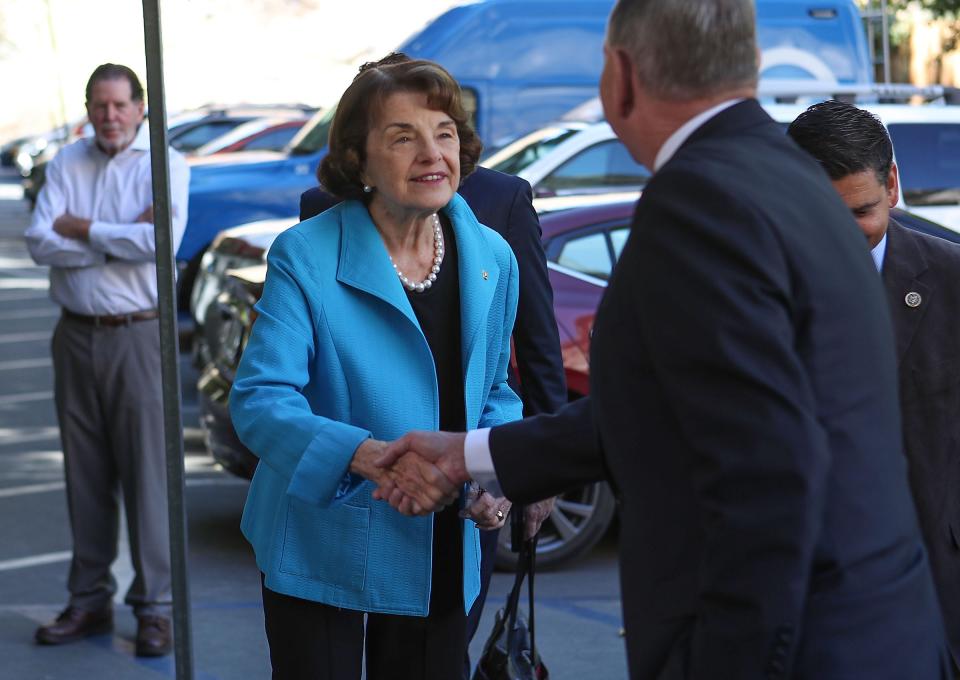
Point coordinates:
pixel 112 320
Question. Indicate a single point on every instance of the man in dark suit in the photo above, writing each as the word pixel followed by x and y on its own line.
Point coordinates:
pixel 505 203
pixel 743 383
pixel 921 275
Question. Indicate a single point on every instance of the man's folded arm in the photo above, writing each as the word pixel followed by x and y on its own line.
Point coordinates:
pixel 46 246
pixel 134 241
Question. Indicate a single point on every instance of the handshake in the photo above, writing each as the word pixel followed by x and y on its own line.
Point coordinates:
pixel 422 472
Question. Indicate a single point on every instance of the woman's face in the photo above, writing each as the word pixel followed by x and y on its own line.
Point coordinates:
pixel 413 156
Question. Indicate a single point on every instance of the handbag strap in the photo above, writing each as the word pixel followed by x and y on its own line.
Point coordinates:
pixel 526 567
pixel 531 570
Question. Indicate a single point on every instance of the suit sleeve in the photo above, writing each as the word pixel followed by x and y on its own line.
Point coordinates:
pixel 535 338
pixel 315 201
pixel 547 454
pixel 269 411
pixel 714 282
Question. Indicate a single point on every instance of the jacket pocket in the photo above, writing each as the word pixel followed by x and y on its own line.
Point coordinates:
pixel 326 544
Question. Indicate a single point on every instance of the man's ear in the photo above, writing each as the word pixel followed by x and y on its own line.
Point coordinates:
pixel 893 186
pixel 623 82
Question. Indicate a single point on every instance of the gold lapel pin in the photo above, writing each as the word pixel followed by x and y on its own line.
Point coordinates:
pixel 484 274
pixel 913 299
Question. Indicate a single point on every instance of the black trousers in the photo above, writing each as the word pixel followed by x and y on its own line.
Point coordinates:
pixel 313 641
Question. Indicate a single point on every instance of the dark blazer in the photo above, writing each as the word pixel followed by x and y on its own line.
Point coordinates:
pixel 744 387
pixel 503 203
pixel 927 335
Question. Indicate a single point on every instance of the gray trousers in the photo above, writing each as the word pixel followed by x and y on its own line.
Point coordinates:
pixel 110 407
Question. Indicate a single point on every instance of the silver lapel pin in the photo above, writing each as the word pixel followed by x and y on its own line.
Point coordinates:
pixel 913 299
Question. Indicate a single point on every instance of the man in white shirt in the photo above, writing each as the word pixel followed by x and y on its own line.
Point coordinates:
pixel 93 226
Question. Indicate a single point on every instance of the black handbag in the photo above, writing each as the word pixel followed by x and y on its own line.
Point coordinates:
pixel 510 652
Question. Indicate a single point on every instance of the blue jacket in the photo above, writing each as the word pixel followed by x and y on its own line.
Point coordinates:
pixel 336 356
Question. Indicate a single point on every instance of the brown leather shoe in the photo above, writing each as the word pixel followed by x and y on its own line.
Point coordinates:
pixel 153 635
pixel 75 624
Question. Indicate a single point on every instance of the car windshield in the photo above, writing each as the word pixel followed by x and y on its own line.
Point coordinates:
pixel 514 158
pixel 314 135
pixel 602 167
pixel 928 156
pixel 197 136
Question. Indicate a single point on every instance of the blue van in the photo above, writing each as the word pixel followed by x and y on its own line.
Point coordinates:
pixel 522 64
pixel 807 39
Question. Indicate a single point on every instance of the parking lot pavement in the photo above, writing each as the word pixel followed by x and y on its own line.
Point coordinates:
pixel 578 610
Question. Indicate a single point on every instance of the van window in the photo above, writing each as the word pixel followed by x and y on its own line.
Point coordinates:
pixel 519 42
pixel 603 166
pixel 928 156
pixel 812 41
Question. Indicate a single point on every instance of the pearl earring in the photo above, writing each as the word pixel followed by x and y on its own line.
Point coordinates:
pixel 367 188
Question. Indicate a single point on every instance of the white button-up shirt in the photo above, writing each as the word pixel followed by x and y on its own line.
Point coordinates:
pixel 878 251
pixel 114 272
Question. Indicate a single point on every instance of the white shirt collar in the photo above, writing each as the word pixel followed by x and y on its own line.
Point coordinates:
pixel 681 134
pixel 878 251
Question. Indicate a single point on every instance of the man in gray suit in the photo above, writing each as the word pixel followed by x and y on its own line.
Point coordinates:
pixel 920 274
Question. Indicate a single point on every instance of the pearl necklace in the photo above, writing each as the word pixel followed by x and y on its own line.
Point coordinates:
pixel 421 286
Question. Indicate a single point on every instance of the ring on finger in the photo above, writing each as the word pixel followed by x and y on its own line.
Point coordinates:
pixel 499 515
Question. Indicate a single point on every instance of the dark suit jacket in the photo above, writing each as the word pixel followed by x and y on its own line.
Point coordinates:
pixel 504 203
pixel 928 352
pixel 744 388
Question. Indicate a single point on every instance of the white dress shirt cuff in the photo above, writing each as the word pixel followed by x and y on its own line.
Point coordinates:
pixel 476 453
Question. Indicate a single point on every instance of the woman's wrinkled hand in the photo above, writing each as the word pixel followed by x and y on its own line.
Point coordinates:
pixel 486 510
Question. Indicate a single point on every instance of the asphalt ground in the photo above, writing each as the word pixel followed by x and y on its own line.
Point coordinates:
pixel 578 606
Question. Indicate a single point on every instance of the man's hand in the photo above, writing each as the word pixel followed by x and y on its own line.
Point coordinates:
pixel 69 226
pixel 533 516
pixel 425 488
pixel 146 215
pixel 443 449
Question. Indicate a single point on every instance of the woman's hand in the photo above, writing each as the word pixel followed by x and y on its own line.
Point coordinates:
pixel 487 511
pixel 426 487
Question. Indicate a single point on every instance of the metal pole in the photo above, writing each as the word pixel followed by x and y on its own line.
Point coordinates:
pixel 64 123
pixel 166 291
pixel 885 24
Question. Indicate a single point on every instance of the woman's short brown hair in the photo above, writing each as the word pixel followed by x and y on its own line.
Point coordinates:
pixel 340 171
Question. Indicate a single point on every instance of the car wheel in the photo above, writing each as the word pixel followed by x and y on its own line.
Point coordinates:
pixel 579 520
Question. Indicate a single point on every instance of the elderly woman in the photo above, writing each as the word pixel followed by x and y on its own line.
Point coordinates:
pixel 389 312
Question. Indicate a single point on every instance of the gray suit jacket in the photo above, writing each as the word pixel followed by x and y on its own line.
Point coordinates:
pixel 927 332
